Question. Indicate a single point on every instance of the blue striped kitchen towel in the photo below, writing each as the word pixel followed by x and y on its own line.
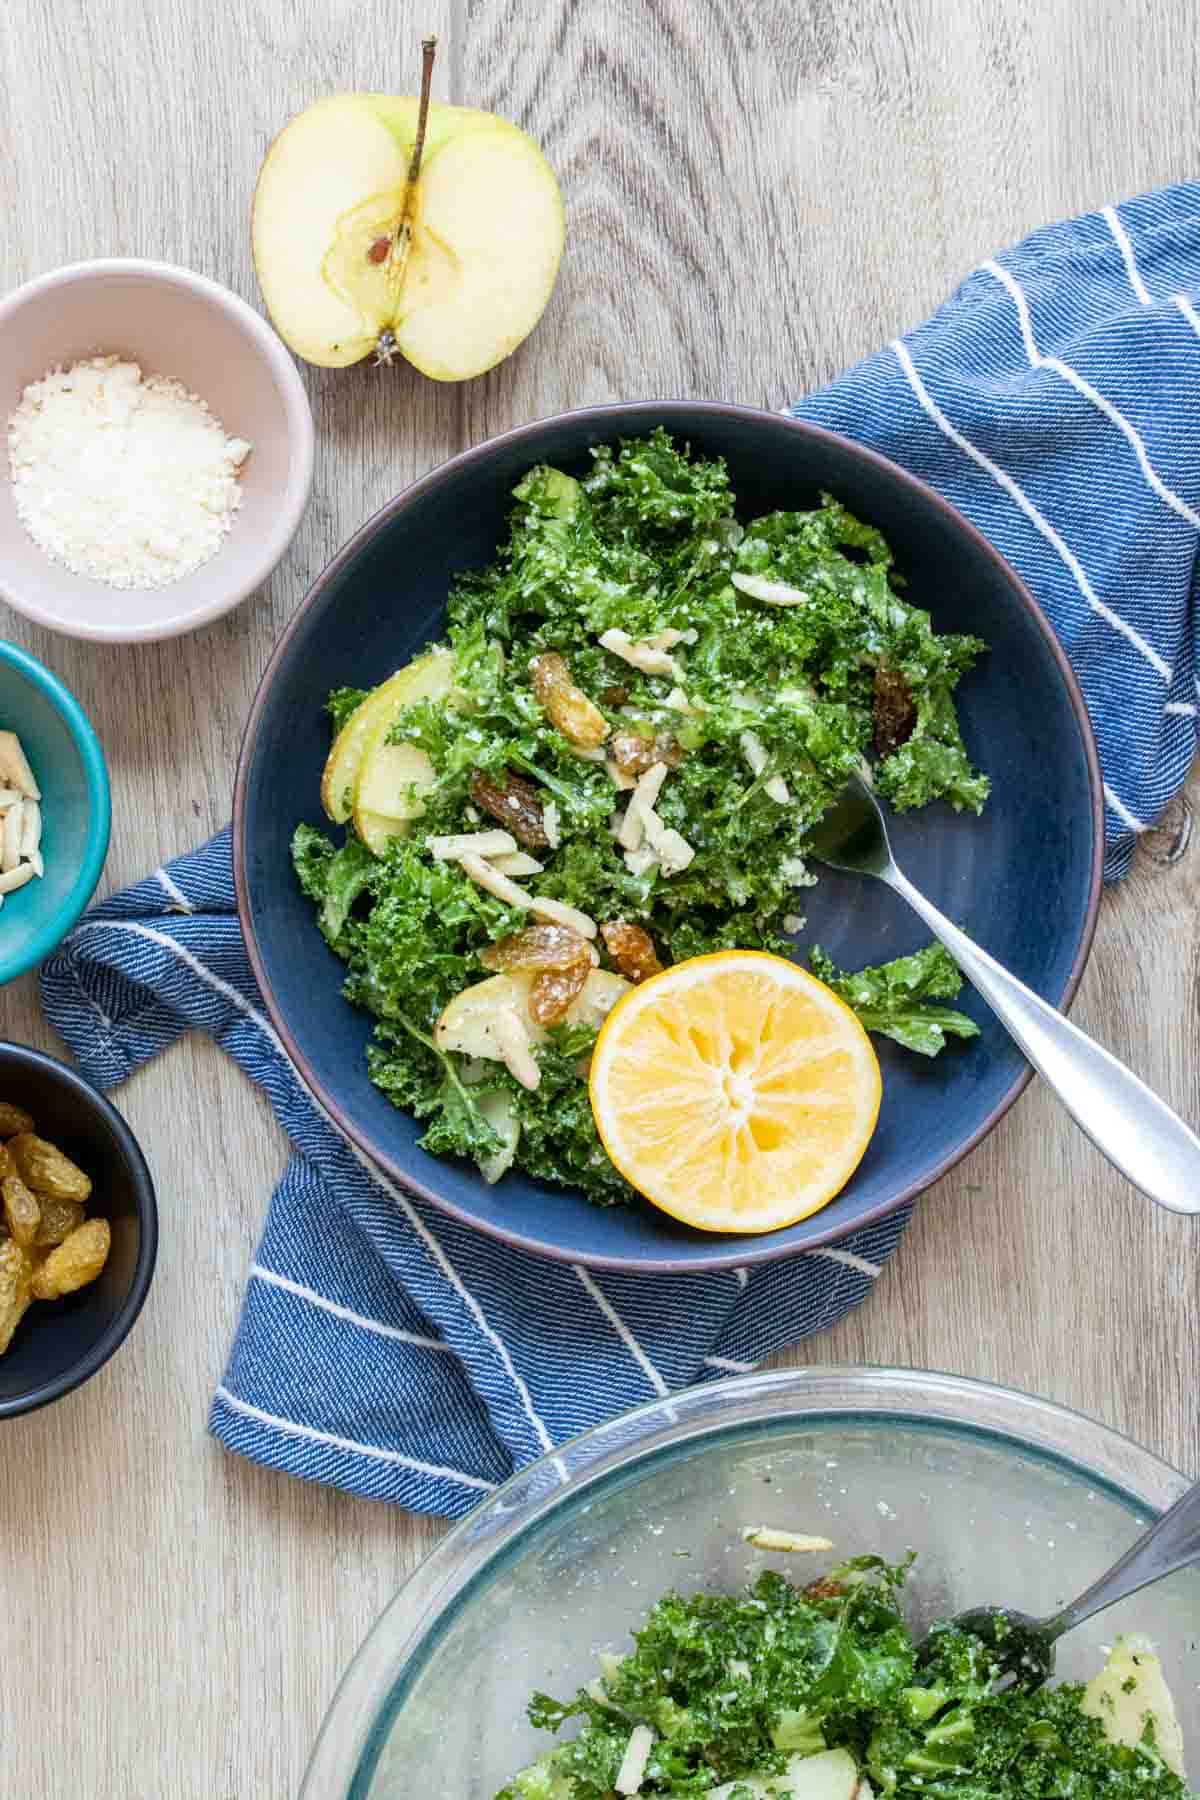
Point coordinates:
pixel 395 1353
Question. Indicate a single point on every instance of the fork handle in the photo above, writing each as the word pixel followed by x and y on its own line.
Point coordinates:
pixel 1130 1125
pixel 1171 1543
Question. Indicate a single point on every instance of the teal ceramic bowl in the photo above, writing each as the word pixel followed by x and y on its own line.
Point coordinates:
pixel 68 765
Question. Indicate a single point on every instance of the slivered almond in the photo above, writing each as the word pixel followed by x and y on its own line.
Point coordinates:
pixel 10 842
pixel 640 802
pixel 486 876
pixel 755 752
pixel 516 1049
pixel 650 655
pixel 633 1763
pixel 15 878
pixel 31 828
pixel 769 1537
pixel 474 843
pixel 516 862
pixel 775 593
pixel 14 767
pixel 674 852
pixel 559 913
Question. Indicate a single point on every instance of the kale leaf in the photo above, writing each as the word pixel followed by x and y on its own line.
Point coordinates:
pixel 898 999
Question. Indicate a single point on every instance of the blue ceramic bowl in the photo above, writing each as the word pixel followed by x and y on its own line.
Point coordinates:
pixel 60 1344
pixel 1024 879
pixel 68 764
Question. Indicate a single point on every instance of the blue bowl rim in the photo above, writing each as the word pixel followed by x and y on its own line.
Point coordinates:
pixel 605 418
pixel 119 1327
pixel 95 770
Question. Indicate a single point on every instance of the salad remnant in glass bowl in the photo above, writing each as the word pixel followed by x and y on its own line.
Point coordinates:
pixel 814 1693
pixel 610 765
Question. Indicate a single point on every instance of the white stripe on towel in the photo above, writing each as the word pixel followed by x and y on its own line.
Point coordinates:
pixel 850 1261
pixel 1132 437
pixel 452 1275
pixel 1188 310
pixel 623 1332
pixel 311 1435
pixel 1122 811
pixel 271 1279
pixel 206 975
pixel 930 407
pixel 1121 238
pixel 175 895
pixel 729 1365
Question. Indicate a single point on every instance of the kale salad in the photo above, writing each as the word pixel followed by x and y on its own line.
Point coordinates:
pixel 817 1693
pixel 611 764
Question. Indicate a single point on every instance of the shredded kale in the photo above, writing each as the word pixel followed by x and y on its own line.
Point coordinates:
pixel 761 694
pixel 899 999
pixel 342 702
pixel 738 1690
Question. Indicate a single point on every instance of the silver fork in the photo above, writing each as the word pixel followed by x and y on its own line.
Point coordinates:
pixel 1130 1125
pixel 1024 1646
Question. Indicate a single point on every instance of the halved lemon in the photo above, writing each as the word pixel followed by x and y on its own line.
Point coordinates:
pixel 735 1091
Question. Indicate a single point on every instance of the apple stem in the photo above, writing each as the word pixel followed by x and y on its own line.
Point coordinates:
pixel 396 253
pixel 428 52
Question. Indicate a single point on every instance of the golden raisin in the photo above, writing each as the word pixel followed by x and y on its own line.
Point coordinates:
pixel 59 1220
pixel 16 1289
pixel 515 803
pixel 825 1589
pixel 553 991
pixel 565 705
pixel 13 1119
pixel 537 947
pixel 73 1263
pixel 22 1213
pixel 894 711
pixel 634 754
pixel 46 1170
pixel 631 948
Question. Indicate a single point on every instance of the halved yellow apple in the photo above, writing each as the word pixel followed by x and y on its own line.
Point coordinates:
pixel 451 270
pixel 428 677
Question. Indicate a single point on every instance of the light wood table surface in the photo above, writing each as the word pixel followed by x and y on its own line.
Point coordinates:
pixel 758 194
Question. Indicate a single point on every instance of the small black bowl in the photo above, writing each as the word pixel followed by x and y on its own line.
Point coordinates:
pixel 59 1344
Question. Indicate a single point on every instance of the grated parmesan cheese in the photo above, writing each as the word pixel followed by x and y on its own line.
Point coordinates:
pixel 128 481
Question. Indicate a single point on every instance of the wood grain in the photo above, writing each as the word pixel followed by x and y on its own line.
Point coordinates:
pixel 757 195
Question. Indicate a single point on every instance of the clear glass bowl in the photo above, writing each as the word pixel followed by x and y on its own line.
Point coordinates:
pixel 1005 1497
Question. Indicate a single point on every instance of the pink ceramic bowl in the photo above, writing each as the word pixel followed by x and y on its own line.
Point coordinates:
pixel 181 325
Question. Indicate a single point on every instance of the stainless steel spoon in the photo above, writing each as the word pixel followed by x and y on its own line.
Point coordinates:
pixel 1024 1646
pixel 1137 1131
